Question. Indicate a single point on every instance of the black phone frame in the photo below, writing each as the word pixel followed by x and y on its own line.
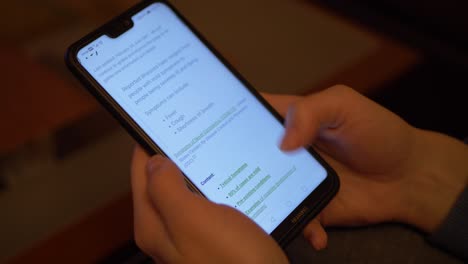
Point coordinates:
pixel 297 219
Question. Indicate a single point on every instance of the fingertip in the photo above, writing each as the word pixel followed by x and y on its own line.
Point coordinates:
pixel 168 192
pixel 318 242
pixel 291 139
pixel 161 171
pixel 139 158
pixel 316 235
pixel 140 155
pixel 166 183
pixel 154 164
pixel 138 170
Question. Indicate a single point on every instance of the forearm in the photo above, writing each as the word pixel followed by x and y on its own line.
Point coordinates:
pixel 439 176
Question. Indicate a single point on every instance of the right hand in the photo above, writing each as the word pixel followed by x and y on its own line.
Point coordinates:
pixel 389 170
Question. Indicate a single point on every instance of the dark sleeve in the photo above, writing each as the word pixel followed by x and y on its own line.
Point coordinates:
pixel 452 235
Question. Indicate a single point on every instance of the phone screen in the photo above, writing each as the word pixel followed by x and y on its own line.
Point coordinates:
pixel 202 116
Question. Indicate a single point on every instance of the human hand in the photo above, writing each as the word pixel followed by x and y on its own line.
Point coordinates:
pixel 376 186
pixel 174 225
pixel 389 170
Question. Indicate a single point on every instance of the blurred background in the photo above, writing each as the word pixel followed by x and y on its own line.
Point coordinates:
pixel 64 162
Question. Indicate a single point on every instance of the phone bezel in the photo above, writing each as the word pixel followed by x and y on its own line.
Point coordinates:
pixel 297 219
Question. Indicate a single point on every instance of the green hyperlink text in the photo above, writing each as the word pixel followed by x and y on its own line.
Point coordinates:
pixel 206 131
pixel 269 192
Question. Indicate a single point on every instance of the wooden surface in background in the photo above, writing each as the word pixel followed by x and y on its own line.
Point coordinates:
pixel 389 61
pixel 35 101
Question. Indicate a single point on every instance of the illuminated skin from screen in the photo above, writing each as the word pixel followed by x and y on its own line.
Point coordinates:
pixel 202 117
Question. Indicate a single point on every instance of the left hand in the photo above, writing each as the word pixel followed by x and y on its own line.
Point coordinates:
pixel 174 225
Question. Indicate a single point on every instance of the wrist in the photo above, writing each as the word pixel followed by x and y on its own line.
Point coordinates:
pixel 438 174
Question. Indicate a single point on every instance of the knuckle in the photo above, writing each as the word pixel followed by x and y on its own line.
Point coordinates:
pixel 342 88
pixel 300 107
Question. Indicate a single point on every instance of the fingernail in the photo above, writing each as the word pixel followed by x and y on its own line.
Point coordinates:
pixel 154 164
pixel 290 140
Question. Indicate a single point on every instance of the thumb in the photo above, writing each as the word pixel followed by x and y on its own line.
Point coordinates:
pixel 313 116
pixel 167 189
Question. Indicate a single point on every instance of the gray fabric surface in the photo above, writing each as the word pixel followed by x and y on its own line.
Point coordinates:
pixel 453 233
pixel 389 243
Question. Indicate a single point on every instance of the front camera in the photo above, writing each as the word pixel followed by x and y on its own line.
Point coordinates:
pixel 118 27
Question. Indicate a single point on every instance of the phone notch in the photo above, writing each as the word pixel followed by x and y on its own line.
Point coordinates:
pixel 119 26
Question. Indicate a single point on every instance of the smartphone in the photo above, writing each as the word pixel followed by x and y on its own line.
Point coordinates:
pixel 177 96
